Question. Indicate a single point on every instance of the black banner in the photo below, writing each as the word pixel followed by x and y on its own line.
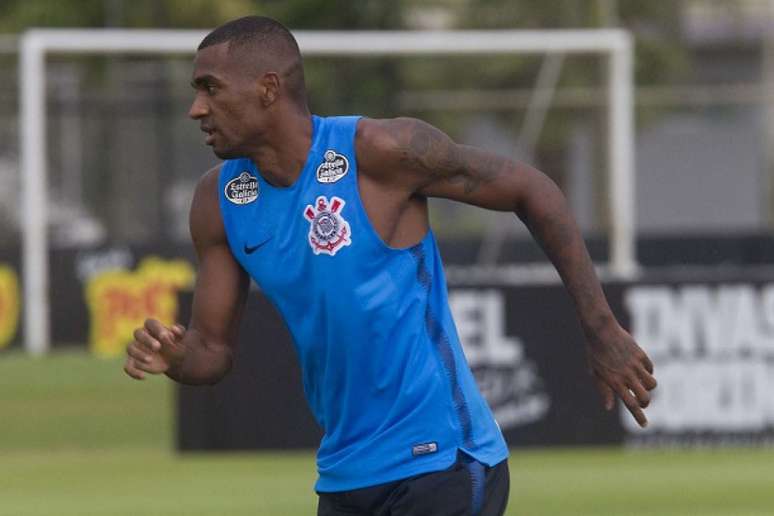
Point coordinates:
pixel 712 342
pixel 98 296
pixel 710 333
pixel 261 403
pixel 102 295
pixel 536 383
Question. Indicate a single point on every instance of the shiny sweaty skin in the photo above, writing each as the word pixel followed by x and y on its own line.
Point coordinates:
pixel 248 110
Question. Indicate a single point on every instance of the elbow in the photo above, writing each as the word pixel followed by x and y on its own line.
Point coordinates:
pixel 219 375
pixel 541 199
pixel 223 364
pixel 207 362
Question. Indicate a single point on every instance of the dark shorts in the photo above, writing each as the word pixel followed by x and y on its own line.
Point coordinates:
pixel 468 488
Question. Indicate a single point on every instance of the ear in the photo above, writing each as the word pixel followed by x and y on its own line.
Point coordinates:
pixel 269 88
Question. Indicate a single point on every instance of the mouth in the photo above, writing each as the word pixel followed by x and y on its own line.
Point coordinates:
pixel 210 132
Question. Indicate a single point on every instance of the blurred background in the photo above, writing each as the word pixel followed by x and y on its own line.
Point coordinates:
pixel 76 437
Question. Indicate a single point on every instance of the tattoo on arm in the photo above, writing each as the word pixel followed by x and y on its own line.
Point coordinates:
pixel 557 233
pixel 430 152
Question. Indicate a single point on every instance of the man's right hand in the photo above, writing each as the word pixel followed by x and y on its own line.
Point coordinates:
pixel 218 301
pixel 156 348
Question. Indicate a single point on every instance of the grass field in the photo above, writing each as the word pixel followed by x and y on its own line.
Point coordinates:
pixel 78 438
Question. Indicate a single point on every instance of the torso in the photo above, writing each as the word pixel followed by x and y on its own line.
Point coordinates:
pixel 345 255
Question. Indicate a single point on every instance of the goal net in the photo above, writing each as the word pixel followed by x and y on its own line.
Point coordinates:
pixel 109 159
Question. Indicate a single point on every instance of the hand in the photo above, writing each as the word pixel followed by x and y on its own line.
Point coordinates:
pixel 620 367
pixel 156 348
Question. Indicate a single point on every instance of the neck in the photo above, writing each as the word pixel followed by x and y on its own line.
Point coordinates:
pixel 282 153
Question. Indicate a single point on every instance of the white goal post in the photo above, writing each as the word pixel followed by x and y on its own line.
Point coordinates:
pixel 36 44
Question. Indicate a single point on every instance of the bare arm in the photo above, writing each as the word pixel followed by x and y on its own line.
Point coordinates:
pixel 202 354
pixel 424 161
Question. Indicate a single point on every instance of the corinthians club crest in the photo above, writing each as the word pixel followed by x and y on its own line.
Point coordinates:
pixel 328 231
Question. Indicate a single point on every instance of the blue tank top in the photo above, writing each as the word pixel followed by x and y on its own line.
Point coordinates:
pixel 382 366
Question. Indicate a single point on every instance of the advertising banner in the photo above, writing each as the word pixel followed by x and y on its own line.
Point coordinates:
pixel 710 336
pixel 523 345
pixel 102 295
pixel 10 304
pixel 711 340
pixel 712 343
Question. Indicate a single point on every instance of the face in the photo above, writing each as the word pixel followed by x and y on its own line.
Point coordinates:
pixel 228 104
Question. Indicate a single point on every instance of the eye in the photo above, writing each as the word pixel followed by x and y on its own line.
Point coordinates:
pixel 211 89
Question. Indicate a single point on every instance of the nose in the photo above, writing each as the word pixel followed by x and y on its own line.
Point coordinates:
pixel 198 108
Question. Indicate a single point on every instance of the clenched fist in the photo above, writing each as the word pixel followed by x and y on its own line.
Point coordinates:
pixel 156 348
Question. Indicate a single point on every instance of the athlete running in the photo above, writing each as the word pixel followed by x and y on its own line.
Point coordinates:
pixel 329 216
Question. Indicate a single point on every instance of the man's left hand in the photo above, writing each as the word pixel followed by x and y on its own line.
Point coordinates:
pixel 620 368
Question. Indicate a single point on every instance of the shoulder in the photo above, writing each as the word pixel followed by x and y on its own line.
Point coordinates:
pixel 209 180
pixel 206 191
pixel 375 133
pixel 387 135
pixel 206 222
pixel 388 146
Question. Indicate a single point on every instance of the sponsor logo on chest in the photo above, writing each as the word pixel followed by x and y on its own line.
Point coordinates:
pixel 334 167
pixel 242 189
pixel 328 230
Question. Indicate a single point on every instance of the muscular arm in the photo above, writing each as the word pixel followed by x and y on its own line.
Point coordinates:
pixel 202 354
pixel 219 295
pixel 431 164
pixel 424 161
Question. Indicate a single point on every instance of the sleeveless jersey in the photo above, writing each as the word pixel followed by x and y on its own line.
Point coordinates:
pixel 382 366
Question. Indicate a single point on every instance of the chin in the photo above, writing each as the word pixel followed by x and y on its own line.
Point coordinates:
pixel 227 153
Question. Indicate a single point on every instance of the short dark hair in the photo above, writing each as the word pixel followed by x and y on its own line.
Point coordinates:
pixel 271 38
pixel 251 30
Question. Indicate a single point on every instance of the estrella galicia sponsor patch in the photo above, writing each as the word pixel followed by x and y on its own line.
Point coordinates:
pixel 328 231
pixel 334 167
pixel 242 189
pixel 424 449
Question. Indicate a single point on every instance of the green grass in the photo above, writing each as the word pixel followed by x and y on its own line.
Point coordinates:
pixel 78 438
pixel 72 400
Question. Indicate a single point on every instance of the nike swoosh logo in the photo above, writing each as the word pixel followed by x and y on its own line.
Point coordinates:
pixel 251 249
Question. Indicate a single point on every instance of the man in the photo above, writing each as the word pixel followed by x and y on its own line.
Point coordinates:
pixel 329 216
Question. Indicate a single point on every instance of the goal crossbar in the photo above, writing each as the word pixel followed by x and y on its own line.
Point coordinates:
pixel 36 44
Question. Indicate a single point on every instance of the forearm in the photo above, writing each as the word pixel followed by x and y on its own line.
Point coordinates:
pixel 202 362
pixel 546 213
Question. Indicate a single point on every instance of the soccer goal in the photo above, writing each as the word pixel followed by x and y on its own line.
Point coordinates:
pixel 37 45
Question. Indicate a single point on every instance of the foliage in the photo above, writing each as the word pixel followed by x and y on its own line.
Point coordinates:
pixel 660 55
pixel 17 15
pixel 374 86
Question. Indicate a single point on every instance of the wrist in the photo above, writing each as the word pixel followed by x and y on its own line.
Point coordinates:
pixel 598 325
pixel 175 367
